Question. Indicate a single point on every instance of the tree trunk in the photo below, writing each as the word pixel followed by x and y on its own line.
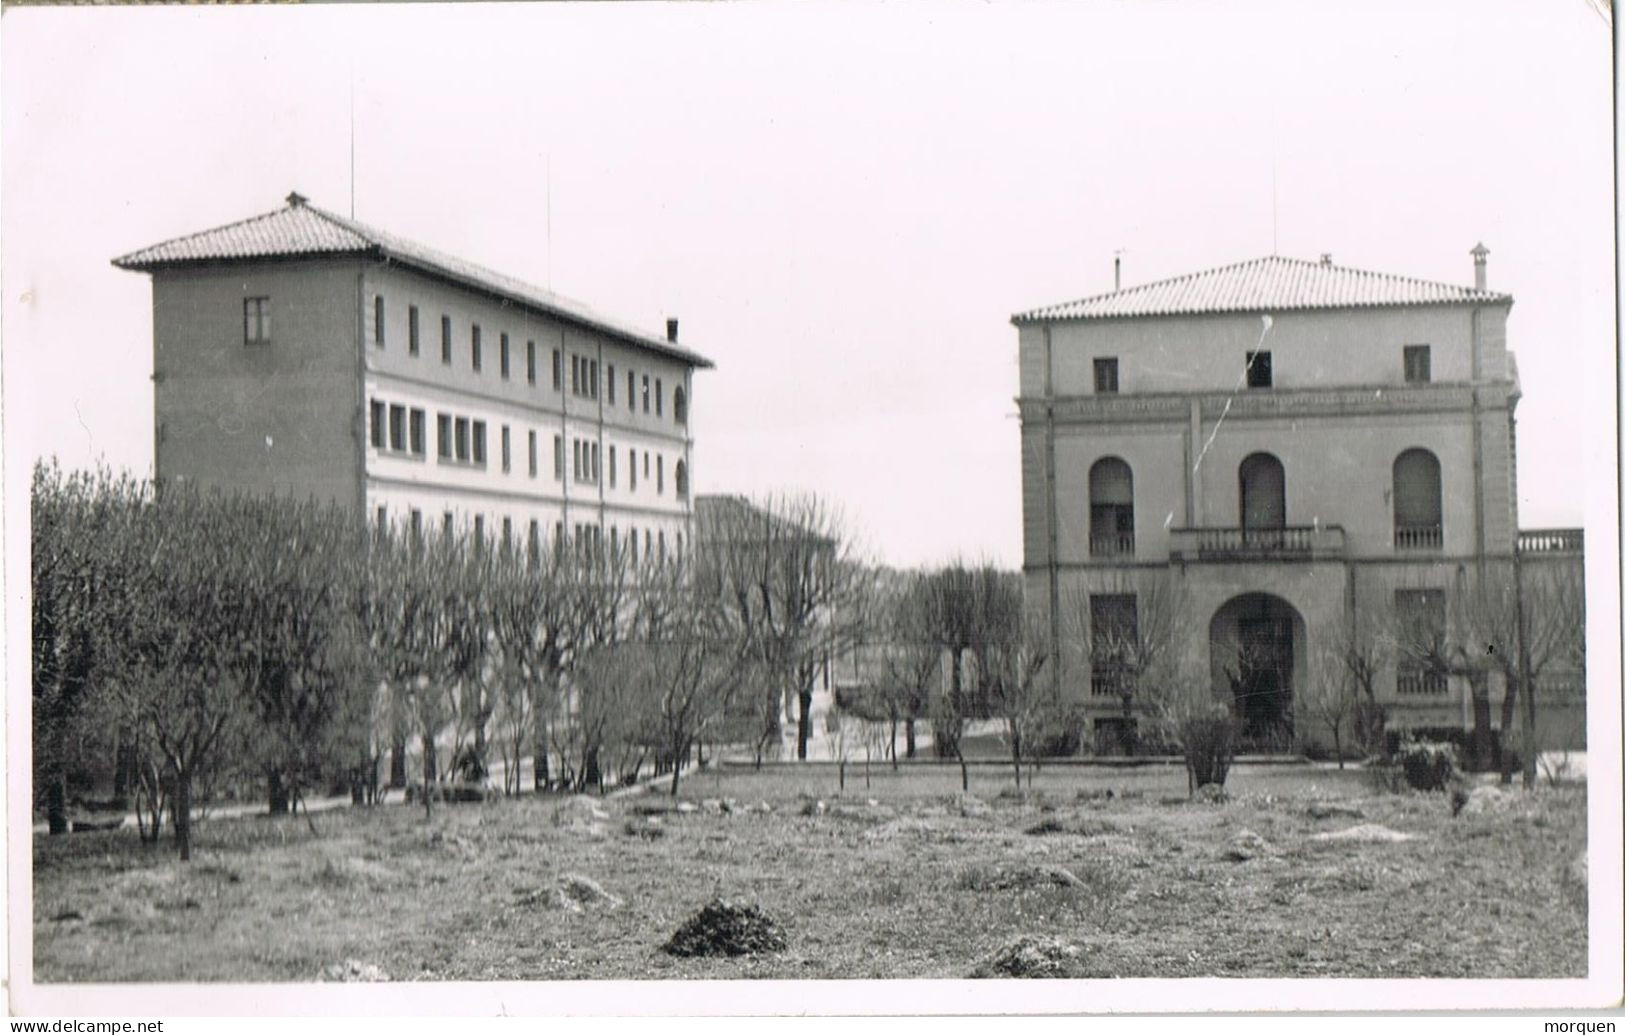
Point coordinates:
pixel 428 777
pixel 1483 736
pixel 1509 712
pixel 56 801
pixel 594 776
pixel 1529 740
pixel 1337 743
pixel 964 772
pixel 182 811
pixel 540 777
pixel 908 737
pixel 124 763
pixel 804 724
pixel 277 791
pixel 676 768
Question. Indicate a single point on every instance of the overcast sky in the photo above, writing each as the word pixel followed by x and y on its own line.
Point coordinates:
pixel 843 204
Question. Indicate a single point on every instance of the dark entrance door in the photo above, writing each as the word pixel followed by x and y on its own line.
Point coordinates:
pixel 1263 680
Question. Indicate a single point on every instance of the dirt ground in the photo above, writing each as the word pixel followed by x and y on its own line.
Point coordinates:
pixel 1303 872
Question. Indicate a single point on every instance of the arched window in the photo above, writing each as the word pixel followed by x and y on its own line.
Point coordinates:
pixel 1111 508
pixel 679 405
pixel 1418 507
pixel 682 480
pixel 1263 499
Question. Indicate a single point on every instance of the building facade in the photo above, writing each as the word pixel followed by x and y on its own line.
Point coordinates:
pixel 1261 465
pixel 302 352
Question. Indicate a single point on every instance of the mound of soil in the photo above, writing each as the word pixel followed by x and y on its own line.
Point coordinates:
pixel 726 928
pixel 1365 833
pixel 1245 845
pixel 1033 956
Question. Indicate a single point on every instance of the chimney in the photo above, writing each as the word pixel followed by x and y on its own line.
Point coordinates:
pixel 1480 255
pixel 296 200
pixel 671 329
pixel 1117 273
pixel 1325 258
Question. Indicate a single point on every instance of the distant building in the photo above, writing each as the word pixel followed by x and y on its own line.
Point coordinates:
pixel 302 352
pixel 1288 449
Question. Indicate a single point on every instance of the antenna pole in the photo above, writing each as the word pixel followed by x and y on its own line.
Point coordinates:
pixel 550 221
pixel 352 138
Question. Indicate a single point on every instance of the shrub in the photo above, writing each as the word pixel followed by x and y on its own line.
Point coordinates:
pixel 1428 765
pixel 1210 746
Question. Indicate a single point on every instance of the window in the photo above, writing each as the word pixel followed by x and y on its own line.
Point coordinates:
pixel 614 536
pixel 660 398
pixel 592 380
pixel 575 459
pixel 609 381
pixel 443 428
pixel 558 457
pixel 256 321
pixel 447 525
pixel 1263 498
pixel 418 421
pixel 662 543
pixel 533 467
pixel 535 539
pixel 461 428
pixel 445 339
pixel 1106 375
pixel 1260 374
pixel 645 393
pixel 530 362
pixel 397 428
pixel 502 355
pixel 596 473
pixel 632 465
pixel 612 462
pixel 575 374
pixel 479 442
pixel 474 345
pixel 558 536
pixel 632 538
pixel 479 529
pixel 660 474
pixel 383 519
pixel 378 419
pixel 378 320
pixel 558 371
pixel 1114 624
pixel 1111 508
pixel 648 545
pixel 1419 615
pixel 507 453
pixel 1418 502
pixel 681 475
pixel 645 463
pixel 412 329
pixel 631 391
pixel 507 533
pixel 679 405
pixel 417 525
pixel 1418 364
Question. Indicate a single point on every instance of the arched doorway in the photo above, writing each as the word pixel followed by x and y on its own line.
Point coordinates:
pixel 1257 646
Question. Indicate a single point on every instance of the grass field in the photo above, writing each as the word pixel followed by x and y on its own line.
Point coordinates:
pixel 896 878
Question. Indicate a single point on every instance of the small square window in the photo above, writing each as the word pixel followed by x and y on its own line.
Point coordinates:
pixel 1260 374
pixel 1418 364
pixel 1106 375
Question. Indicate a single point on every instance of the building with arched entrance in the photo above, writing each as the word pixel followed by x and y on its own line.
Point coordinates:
pixel 1270 481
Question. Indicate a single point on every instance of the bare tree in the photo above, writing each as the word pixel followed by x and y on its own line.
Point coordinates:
pixel 1024 696
pixel 1123 631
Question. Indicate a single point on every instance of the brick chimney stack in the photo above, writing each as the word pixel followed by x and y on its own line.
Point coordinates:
pixel 671 329
pixel 1480 255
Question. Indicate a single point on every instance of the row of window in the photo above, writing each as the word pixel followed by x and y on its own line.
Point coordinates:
pixel 1260 369
pixel 584 373
pixel 1419 615
pixel 400 429
pixel 1417 500
pixel 587 538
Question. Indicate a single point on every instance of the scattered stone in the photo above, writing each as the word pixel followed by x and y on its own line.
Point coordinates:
pixel 714 806
pixel 726 928
pixel 1365 833
pixel 814 808
pixel 686 807
pixel 1487 798
pixel 648 828
pixel 452 843
pixel 579 894
pixel 765 807
pixel 873 803
pixel 1096 794
pixel 353 970
pixel 1245 845
pixel 1331 810
pixel 1033 956
pixel 1048 825
pixel 970 806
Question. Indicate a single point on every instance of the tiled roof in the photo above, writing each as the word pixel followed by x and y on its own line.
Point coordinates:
pixel 303 229
pixel 1270 284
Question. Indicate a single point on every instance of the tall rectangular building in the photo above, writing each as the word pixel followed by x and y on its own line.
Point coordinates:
pixel 302 352
pixel 1286 452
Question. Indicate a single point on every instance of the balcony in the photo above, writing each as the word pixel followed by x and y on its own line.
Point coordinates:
pixel 1108 681
pixel 1417 681
pixel 1418 537
pixel 1111 544
pixel 1551 540
pixel 1292 542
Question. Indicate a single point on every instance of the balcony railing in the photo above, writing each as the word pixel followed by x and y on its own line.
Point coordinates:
pixel 1418 537
pixel 1419 681
pixel 1292 542
pixel 1551 540
pixel 1108 681
pixel 1111 544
